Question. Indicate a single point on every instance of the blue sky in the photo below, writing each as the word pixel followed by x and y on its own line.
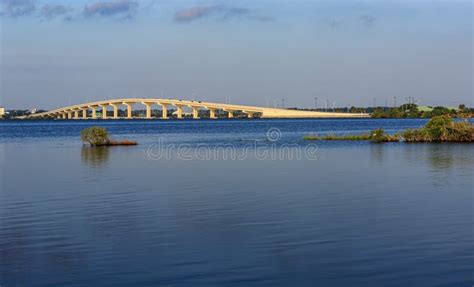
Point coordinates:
pixel 54 52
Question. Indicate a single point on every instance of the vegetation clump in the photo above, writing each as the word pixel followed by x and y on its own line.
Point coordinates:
pixel 441 129
pixel 98 136
pixel 95 136
pixel 438 129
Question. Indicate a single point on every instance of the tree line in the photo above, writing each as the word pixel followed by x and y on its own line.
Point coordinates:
pixel 414 111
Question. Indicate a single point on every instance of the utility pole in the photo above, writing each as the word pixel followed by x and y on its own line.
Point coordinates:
pixel 327 105
pixel 315 103
pixel 282 103
pixel 394 101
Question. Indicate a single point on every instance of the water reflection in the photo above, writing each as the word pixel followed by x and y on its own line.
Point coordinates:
pixel 441 160
pixel 447 156
pixel 95 156
pixel 377 153
pixel 440 157
pixel 254 222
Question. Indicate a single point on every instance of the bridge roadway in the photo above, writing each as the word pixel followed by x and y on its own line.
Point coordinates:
pixel 82 111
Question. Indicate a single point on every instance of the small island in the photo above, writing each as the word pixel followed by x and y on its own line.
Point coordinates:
pixel 99 137
pixel 438 129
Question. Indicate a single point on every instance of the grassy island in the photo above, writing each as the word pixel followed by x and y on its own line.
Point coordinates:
pixel 98 136
pixel 441 129
pixel 378 136
pixel 438 129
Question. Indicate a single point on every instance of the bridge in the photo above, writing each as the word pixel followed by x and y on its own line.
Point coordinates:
pixel 91 110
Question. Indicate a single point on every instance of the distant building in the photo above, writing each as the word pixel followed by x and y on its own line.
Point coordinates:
pixel 2 112
pixel 34 111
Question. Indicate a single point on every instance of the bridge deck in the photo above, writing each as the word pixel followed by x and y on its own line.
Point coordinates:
pixel 67 112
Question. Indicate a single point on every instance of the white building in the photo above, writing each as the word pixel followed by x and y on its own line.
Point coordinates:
pixel 2 112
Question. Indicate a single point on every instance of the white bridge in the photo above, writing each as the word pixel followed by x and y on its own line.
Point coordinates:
pixel 90 110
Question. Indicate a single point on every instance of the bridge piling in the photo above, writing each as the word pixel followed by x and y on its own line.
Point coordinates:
pixel 230 113
pixel 115 107
pixel 129 110
pixel 212 114
pixel 164 114
pixel 195 112
pixel 104 112
pixel 179 112
pixel 249 114
pixel 148 110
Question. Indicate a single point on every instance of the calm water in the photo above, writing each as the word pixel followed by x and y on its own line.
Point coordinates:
pixel 352 214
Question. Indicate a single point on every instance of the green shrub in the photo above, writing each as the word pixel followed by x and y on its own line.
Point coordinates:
pixel 416 135
pixel 437 127
pixel 441 129
pixel 95 136
pixel 459 132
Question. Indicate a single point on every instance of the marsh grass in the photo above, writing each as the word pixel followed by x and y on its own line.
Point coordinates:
pixel 377 136
pixel 333 137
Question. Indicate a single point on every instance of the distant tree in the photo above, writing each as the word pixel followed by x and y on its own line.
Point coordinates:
pixel 437 126
pixel 413 111
pixel 356 110
pixel 395 113
pixel 426 114
pixel 439 111
pixel 379 113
